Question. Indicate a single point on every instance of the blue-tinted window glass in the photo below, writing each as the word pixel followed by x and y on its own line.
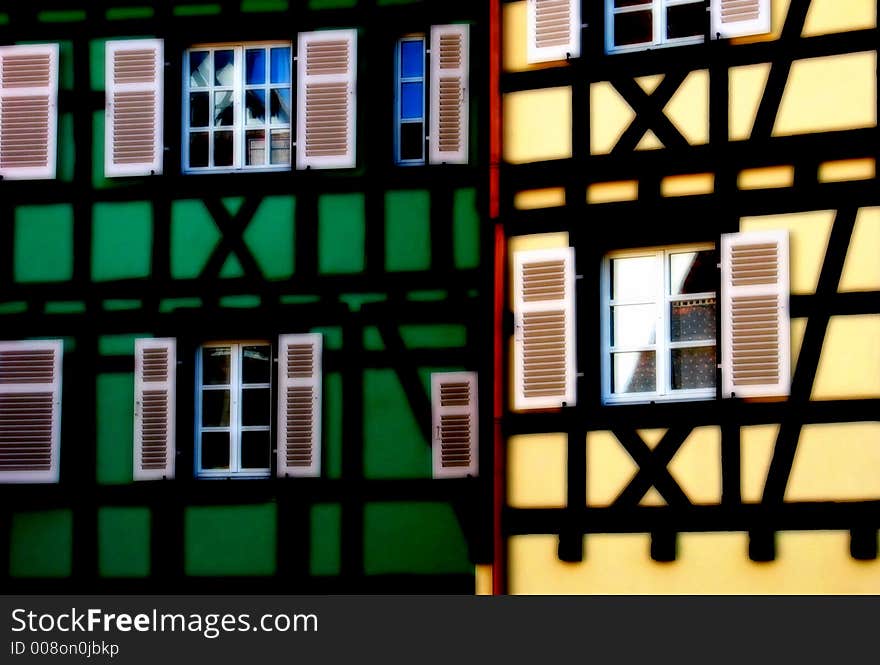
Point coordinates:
pixel 411 100
pixel 280 66
pixel 256 66
pixel 224 68
pixel 412 59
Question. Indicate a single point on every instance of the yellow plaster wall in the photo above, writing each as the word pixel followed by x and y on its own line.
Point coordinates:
pixel 861 271
pixel 536 470
pixel 688 109
pixel 836 462
pixel 849 367
pixel 828 16
pixel 539 198
pixel 746 89
pixel 609 468
pixel 649 142
pixel 806 563
pixel 697 465
pixel 610 115
pixel 757 443
pixel 537 125
pixel 688 184
pixel 767 177
pixel 844 170
pixel 808 240
pixel 830 93
pixel 483 580
pixel 798 328
pixel 609 192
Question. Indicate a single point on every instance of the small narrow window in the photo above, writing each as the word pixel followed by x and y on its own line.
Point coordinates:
pixel 234 409
pixel 658 324
pixel 409 103
pixel 237 107
pixel 633 25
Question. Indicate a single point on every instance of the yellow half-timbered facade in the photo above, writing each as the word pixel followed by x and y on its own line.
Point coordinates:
pixel 691 214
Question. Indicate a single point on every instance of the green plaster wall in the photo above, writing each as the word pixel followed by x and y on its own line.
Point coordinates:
pixel 441 335
pixel 124 542
pixel 341 232
pixel 193 237
pixel 43 243
pixel 270 236
pixel 264 5
pixel 230 540
pixel 407 230
pixel 326 539
pixel 332 424
pixel 394 446
pixel 331 4
pixel 119 345
pixel 465 229
pixel 115 428
pixel 122 240
pixel 413 538
pixel 126 13
pixel 41 544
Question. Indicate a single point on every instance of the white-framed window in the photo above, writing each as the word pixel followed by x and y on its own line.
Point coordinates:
pixel 658 324
pixel 237 107
pixel 30 411
pixel 409 103
pixel 634 25
pixel 234 409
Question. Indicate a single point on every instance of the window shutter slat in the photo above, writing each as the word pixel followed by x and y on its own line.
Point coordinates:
pixel 455 424
pixel 28 111
pixel 133 142
pixel 740 18
pixel 755 336
pixel 155 371
pixel 326 110
pixel 299 405
pixel 30 411
pixel 449 94
pixel 544 358
pixel 553 28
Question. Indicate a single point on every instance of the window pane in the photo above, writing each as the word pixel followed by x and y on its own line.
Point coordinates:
pixel 224 111
pixel 198 109
pixel 692 320
pixel 411 100
pixel 215 365
pixel 280 146
pixel 215 450
pixel 255 364
pixel 224 68
pixel 199 69
pixel 634 325
pixel 634 279
pixel 256 147
pixel 256 66
pixel 412 141
pixel 685 20
pixel 215 408
pixel 255 450
pixel 223 149
pixel 198 149
pixel 280 67
pixel 631 3
pixel 693 368
pixel 412 59
pixel 255 407
pixel 693 272
pixel 633 28
pixel 280 106
pixel 634 372
pixel 255 107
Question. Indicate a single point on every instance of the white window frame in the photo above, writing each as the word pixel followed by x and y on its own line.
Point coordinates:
pixel 662 345
pixel 658 9
pixel 235 428
pixel 238 88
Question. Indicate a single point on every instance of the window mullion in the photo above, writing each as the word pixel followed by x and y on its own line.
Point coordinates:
pixel 235 415
pixel 659 21
pixel 663 373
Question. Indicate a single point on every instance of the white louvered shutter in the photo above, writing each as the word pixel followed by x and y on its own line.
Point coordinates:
pixel 28 111
pixel 553 29
pixel 544 358
pixel 133 123
pixel 299 405
pixel 755 336
pixel 455 424
pixel 30 411
pixel 448 136
pixel 155 372
pixel 326 109
pixel 739 18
